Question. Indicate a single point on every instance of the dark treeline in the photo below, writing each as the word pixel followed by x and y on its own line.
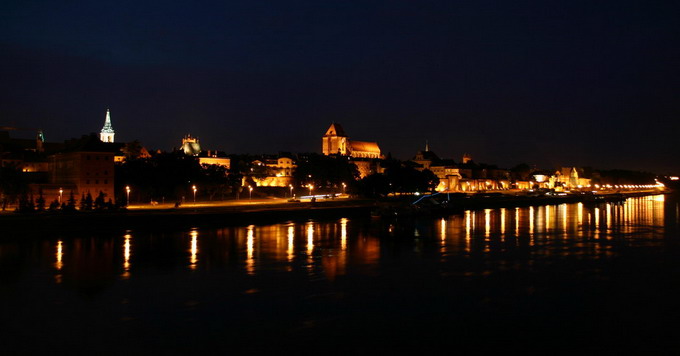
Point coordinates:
pixel 398 177
pixel 170 177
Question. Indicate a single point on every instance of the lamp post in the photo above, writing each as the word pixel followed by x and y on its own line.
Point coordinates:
pixel 127 191
pixel 250 192
pixel 310 189
pixel 194 188
pixel 291 190
pixel 61 191
pixel 343 188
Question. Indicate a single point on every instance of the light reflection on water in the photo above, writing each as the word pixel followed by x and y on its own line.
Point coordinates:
pixel 567 229
pixel 323 272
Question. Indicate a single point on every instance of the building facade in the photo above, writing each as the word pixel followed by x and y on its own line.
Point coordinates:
pixel 336 142
pixel 83 172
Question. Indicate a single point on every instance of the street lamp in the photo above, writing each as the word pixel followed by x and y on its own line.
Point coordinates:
pixel 61 191
pixel 127 191
pixel 343 188
pixel 250 192
pixel 310 189
pixel 194 188
pixel 291 190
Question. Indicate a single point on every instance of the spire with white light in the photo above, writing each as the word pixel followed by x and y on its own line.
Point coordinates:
pixel 107 132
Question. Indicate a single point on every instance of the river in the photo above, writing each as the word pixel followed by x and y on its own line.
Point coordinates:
pixel 550 279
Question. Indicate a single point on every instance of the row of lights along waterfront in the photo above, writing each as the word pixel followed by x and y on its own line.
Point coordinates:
pixel 195 189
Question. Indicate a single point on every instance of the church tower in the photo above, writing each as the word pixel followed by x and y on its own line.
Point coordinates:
pixel 106 135
pixel 335 141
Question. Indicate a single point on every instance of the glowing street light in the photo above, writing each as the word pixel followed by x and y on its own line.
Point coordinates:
pixel 194 188
pixel 250 192
pixel 291 190
pixel 310 189
pixel 343 188
pixel 127 191
pixel 61 192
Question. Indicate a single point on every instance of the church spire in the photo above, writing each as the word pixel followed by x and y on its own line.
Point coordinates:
pixel 106 135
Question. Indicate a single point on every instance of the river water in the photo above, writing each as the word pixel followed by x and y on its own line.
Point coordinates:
pixel 551 279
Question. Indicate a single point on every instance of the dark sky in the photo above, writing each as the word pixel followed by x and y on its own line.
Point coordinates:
pixel 546 82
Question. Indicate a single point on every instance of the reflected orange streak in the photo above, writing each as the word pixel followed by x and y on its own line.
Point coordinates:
pixel 250 250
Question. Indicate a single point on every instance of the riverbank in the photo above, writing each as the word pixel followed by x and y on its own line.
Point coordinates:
pixel 185 218
pixel 447 204
pixel 277 211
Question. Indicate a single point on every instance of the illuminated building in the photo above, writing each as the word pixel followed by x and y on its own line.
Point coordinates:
pixel 446 170
pixel 363 154
pixel 191 146
pixel 336 142
pixel 571 178
pixel 107 133
pixel 278 172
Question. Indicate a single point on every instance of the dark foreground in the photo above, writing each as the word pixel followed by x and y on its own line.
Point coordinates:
pixel 539 280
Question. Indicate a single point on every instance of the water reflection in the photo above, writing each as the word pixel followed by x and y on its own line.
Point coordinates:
pixel 59 264
pixel 468 230
pixel 343 234
pixel 291 243
pixel 126 256
pixel 60 255
pixel 310 238
pixel 332 248
pixel 193 259
pixel 250 250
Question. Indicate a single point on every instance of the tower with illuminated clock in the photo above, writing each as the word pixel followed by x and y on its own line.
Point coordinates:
pixel 107 133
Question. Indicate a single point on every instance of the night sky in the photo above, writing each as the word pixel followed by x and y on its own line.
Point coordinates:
pixel 547 83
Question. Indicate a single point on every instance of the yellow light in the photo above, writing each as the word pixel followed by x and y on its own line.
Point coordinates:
pixel 126 252
pixel 60 255
pixel 310 238
pixel 291 241
pixel 194 249
pixel 343 234
pixel 468 227
pixel 442 229
pixel 250 249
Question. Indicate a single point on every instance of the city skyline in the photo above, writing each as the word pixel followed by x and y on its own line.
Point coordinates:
pixel 546 84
